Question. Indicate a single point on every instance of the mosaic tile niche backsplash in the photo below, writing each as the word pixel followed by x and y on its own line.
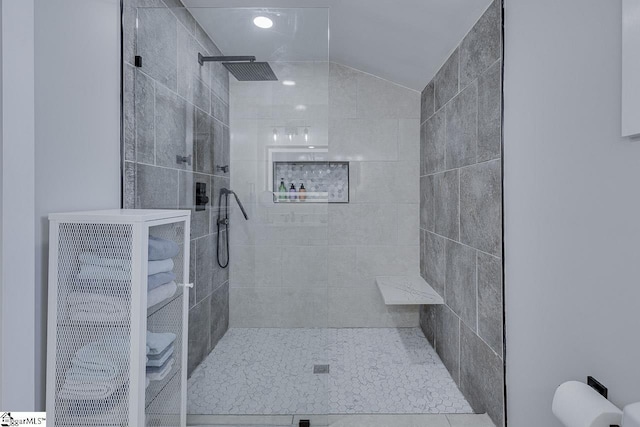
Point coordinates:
pixel 325 182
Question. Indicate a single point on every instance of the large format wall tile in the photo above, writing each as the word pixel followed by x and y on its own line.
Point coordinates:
pixel 341 262
pixel 435 143
pixel 427 203
pixel 446 81
pixel 219 314
pixel 427 102
pixel 343 89
pixel 408 136
pixel 174 129
pixel 435 262
pixel 381 99
pixel 460 287
pixel 448 340
pixel 156 42
pixel 383 182
pixel 490 315
pixel 144 93
pixel 408 223
pixel 467 206
pixel 156 188
pixel 481 207
pixel 193 79
pixel 371 313
pixel 304 265
pixel 375 261
pixel 428 315
pixel 203 143
pixel 490 113
pixel 129 185
pixel 128 112
pixel 462 128
pixel 199 333
pixel 481 376
pixel 205 257
pixel 446 190
pixel 362 224
pixel 363 139
pixel 483 45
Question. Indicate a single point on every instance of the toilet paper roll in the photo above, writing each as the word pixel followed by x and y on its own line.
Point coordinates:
pixel 576 404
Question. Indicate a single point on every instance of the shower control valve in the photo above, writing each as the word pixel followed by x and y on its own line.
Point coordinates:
pixel 224 168
pixel 223 221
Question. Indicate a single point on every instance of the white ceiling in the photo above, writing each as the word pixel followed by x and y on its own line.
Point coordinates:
pixel 404 41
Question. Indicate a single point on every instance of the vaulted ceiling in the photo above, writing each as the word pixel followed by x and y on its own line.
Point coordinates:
pixel 404 41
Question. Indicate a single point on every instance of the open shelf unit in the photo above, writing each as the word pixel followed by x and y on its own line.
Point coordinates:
pixel 99 315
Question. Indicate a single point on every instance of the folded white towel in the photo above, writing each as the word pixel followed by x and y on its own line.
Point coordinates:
pixel 107 358
pixel 98 272
pixel 88 390
pixel 162 266
pixel 159 376
pixel 161 293
pixel 160 361
pixel 159 341
pixel 87 306
pixel 94 259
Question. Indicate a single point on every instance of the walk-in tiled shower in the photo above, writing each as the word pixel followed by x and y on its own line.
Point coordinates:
pixel 329 163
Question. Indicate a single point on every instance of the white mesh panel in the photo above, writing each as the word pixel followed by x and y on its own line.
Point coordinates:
pixel 92 324
pixel 162 398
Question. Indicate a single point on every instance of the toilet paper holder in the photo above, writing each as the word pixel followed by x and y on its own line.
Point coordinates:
pixel 600 388
pixel 597 386
pixel 577 404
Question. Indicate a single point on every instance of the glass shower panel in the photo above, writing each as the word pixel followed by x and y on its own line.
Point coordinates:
pixel 259 337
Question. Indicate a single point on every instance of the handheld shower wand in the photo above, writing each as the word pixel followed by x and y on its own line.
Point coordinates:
pixel 225 221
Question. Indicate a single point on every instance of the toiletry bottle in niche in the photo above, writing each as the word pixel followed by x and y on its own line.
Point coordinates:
pixel 302 192
pixel 292 192
pixel 282 190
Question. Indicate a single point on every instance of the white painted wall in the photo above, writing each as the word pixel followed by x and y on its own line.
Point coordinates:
pixel 572 211
pixel 77 83
pixel 17 311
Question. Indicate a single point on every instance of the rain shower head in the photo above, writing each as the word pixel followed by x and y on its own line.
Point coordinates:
pixel 243 68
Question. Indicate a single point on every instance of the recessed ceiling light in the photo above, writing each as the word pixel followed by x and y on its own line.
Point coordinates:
pixel 301 107
pixel 311 146
pixel 288 83
pixel 263 22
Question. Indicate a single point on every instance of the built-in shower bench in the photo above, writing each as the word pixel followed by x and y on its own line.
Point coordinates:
pixel 407 290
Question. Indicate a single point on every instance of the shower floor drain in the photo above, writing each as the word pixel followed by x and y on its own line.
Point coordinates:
pixel 320 369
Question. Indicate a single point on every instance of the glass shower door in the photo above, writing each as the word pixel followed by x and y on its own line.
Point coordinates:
pixel 197 128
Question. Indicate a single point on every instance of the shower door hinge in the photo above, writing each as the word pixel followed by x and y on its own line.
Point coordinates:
pixel 138 61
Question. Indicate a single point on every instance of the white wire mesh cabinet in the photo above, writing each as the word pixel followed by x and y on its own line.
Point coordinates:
pixel 99 315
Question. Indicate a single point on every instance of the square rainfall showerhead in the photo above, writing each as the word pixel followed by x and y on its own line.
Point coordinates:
pixel 251 71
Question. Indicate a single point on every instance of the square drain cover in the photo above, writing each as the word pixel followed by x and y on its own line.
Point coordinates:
pixel 320 369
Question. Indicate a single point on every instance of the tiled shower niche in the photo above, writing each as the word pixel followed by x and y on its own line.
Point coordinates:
pixel 325 182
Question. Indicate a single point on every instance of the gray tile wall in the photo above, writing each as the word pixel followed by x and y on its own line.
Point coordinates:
pixel 173 106
pixel 461 213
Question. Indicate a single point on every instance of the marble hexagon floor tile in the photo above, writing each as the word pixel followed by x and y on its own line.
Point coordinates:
pixel 372 371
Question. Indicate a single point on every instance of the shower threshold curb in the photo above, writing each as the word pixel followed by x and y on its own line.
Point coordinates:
pixel 344 420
